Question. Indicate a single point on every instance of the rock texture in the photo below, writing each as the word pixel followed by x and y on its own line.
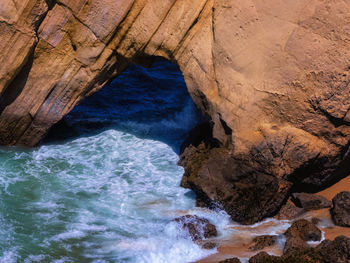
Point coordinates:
pixel 261 242
pixel 289 211
pixel 196 227
pixel 272 76
pixel 341 209
pixel 337 251
pixel 230 260
pixel 298 234
pixel 311 201
pixel 245 192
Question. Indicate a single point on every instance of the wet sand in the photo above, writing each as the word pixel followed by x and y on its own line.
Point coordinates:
pixel 240 239
pixel 343 185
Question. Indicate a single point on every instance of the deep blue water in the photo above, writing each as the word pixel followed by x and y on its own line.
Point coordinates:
pixel 151 103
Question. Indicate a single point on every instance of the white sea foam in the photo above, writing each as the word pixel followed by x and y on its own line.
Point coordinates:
pixel 9 256
pixel 105 198
pixel 111 196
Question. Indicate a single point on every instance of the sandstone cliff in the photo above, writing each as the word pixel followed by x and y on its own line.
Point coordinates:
pixel 273 76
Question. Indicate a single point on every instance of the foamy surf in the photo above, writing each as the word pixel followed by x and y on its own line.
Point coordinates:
pixel 104 198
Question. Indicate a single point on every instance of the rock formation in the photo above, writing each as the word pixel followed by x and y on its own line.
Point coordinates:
pixel 341 209
pixel 196 227
pixel 261 242
pixel 297 250
pixel 310 201
pixel 230 260
pixel 272 76
pixel 336 251
pixel 298 234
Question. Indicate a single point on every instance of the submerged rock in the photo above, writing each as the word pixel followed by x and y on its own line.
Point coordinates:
pixel 264 257
pixel 337 251
pixel 261 242
pixel 230 260
pixel 305 230
pixel 296 249
pixel 197 228
pixel 207 245
pixel 310 201
pixel 341 209
pixel 297 235
pixel 289 211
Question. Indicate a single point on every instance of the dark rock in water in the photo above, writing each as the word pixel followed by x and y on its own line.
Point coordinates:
pixel 230 260
pixel 198 228
pixel 263 257
pixel 297 235
pixel 208 245
pixel 261 242
pixel 315 220
pixel 341 209
pixel 246 193
pixel 305 257
pixel 310 201
pixel 289 211
pixel 295 245
pixel 304 229
pixel 337 251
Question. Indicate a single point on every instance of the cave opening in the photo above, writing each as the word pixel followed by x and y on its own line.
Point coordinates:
pixel 150 103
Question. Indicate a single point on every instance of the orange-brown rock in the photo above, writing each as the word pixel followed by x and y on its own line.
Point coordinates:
pixel 273 76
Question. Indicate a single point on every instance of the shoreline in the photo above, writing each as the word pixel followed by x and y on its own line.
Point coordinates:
pixel 234 247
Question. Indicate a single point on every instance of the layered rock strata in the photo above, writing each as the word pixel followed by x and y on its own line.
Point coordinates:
pixel 272 76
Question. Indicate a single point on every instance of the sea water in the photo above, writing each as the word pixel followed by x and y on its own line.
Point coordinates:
pixel 104 186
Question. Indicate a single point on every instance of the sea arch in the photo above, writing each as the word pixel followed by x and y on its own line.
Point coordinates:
pixel 81 46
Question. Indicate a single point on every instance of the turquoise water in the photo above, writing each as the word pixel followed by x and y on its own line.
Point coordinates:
pixel 104 187
pixel 105 198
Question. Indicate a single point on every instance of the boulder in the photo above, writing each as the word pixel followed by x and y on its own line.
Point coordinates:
pixel 297 235
pixel 289 211
pixel 219 179
pixel 310 201
pixel 261 242
pixel 337 251
pixel 230 260
pixel 207 245
pixel 264 257
pixel 304 229
pixel 340 211
pixel 196 227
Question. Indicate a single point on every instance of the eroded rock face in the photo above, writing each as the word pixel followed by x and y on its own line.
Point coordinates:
pixel 273 76
pixel 245 192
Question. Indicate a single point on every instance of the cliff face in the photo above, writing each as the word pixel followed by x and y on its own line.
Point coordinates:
pixel 272 75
